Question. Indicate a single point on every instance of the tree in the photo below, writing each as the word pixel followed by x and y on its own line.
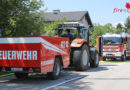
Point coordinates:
pixel 119 25
pixel 127 25
pixel 99 30
pixel 119 28
pixel 109 28
pixel 20 17
pixel 50 28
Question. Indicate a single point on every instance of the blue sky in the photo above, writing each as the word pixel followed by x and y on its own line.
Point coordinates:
pixel 101 11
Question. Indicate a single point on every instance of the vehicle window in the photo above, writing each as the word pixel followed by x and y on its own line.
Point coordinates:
pixel 73 32
pixel 82 33
pixel 112 40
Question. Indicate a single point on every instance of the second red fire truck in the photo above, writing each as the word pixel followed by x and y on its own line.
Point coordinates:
pixel 113 46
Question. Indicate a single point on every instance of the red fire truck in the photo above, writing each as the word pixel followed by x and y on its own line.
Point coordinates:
pixel 112 46
pixel 23 55
pixel 47 54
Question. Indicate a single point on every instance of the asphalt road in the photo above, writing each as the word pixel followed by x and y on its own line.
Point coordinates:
pixel 108 76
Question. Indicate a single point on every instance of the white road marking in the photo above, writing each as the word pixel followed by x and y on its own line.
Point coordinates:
pixel 61 83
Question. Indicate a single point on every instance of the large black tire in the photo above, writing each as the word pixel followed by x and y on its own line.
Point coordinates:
pixel 123 58
pixel 81 58
pixel 95 62
pixel 21 75
pixel 56 70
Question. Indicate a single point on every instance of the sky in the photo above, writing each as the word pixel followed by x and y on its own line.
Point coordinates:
pixel 100 11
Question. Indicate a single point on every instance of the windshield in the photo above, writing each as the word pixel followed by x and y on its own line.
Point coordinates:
pixel 112 40
pixel 73 32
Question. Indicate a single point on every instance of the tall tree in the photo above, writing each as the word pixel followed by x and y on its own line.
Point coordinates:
pixel 119 28
pixel 19 18
pixel 127 24
pixel 119 25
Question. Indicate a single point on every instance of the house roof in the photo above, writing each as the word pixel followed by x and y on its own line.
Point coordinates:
pixel 69 16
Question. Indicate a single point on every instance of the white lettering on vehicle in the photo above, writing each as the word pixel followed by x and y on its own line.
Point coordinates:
pixel 64 44
pixel 34 55
pixel 28 55
pixel 9 55
pixel 13 55
pixel 18 55
pixel 4 55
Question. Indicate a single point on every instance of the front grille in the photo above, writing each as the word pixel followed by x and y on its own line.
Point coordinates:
pixel 111 49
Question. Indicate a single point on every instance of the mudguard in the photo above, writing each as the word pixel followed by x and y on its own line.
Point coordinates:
pixel 77 43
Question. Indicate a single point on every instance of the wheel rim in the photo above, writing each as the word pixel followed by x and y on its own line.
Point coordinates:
pixel 97 59
pixel 85 59
pixel 57 69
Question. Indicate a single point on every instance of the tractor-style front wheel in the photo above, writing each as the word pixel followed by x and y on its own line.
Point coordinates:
pixel 81 58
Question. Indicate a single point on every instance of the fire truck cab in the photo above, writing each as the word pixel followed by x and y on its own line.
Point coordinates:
pixel 114 46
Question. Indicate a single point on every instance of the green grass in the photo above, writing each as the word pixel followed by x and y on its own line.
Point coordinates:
pixel 5 74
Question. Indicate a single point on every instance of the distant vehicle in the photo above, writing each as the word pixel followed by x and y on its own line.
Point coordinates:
pixel 113 46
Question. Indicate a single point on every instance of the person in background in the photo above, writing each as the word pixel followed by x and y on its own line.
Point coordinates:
pixel 68 34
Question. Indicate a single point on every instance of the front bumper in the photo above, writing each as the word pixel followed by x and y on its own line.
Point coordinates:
pixel 112 54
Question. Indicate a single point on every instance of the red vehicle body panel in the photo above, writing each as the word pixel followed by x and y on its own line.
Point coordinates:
pixel 34 52
pixel 113 47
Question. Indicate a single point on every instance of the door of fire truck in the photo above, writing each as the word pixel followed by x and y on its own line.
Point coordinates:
pixel 99 46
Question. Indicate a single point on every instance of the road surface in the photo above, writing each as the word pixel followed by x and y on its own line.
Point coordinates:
pixel 108 76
